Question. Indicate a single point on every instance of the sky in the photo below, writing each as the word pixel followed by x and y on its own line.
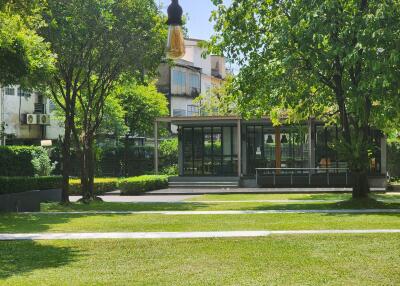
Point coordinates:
pixel 199 12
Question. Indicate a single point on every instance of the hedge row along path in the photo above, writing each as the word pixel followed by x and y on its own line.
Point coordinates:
pixel 329 211
pixel 182 235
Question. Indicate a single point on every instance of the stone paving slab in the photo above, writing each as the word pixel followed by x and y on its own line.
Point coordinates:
pixel 232 212
pixel 171 235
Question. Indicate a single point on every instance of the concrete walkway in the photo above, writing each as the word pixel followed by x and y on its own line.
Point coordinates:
pixel 192 191
pixel 232 212
pixel 159 235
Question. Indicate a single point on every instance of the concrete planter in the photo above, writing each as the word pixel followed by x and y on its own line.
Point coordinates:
pixel 28 201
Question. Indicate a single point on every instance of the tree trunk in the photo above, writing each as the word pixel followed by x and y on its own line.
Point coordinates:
pixel 66 161
pixel 361 186
pixel 88 166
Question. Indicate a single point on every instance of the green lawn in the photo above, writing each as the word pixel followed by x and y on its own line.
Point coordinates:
pixel 276 260
pixel 136 223
pixel 322 196
pixel 204 206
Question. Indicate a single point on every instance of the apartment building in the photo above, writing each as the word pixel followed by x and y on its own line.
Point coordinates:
pixel 189 77
pixel 26 117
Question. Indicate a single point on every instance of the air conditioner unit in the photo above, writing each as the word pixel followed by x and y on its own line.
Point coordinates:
pixel 44 119
pixel 31 119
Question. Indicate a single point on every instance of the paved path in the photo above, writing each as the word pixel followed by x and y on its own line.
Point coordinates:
pixel 192 191
pixel 140 199
pixel 159 235
pixel 233 212
pixel 266 201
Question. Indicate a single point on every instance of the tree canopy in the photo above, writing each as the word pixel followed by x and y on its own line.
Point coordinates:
pixel 335 60
pixel 142 105
pixel 25 58
pixel 97 41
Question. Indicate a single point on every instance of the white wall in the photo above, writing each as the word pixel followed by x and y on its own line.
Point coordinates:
pixel 179 102
pixel 13 107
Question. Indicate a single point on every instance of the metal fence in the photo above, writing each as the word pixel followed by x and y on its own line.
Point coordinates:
pixel 303 176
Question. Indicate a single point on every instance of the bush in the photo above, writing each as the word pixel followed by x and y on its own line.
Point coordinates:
pixel 9 185
pixel 41 162
pixel 170 170
pixel 17 160
pixel 141 184
pixel 101 186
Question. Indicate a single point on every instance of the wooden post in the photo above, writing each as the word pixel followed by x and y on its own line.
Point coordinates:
pixel 239 147
pixel 278 149
pixel 156 147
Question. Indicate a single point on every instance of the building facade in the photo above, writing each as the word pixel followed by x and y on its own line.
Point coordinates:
pixel 189 77
pixel 255 150
pixel 26 117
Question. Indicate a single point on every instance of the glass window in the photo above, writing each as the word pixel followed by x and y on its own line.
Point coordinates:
pixel 24 93
pixel 52 106
pixel 179 112
pixel 185 82
pixel 208 151
pixel 192 110
pixel 9 91
pixel 194 81
pixel 178 82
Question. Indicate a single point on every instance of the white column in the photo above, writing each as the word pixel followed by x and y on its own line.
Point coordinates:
pixel 239 147
pixel 156 147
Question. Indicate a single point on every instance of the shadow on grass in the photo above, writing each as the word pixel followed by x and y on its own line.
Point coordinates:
pixel 20 257
pixel 111 206
pixel 28 223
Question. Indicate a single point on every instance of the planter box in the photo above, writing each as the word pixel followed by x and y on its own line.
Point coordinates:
pixel 28 201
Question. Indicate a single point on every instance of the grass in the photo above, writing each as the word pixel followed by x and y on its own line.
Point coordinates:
pixel 322 196
pixel 276 260
pixel 203 206
pixel 15 223
pixel 370 259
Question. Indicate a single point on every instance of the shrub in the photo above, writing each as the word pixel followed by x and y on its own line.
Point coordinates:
pixel 9 185
pixel 101 186
pixel 17 161
pixel 41 162
pixel 170 170
pixel 137 185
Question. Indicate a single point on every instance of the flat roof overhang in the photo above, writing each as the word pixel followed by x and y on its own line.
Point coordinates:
pixel 212 120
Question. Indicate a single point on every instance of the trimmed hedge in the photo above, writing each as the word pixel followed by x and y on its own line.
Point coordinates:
pixel 141 184
pixel 10 185
pixel 101 186
pixel 17 160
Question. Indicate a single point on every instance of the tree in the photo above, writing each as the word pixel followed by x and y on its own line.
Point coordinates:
pixel 318 58
pixel 218 100
pixel 142 104
pixel 96 42
pixel 25 58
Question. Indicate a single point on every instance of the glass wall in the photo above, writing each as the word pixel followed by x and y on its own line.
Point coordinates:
pixel 326 156
pixel 209 151
pixel 185 82
pixel 262 147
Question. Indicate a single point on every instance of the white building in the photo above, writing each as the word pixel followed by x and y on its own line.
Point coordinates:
pixel 189 77
pixel 26 117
